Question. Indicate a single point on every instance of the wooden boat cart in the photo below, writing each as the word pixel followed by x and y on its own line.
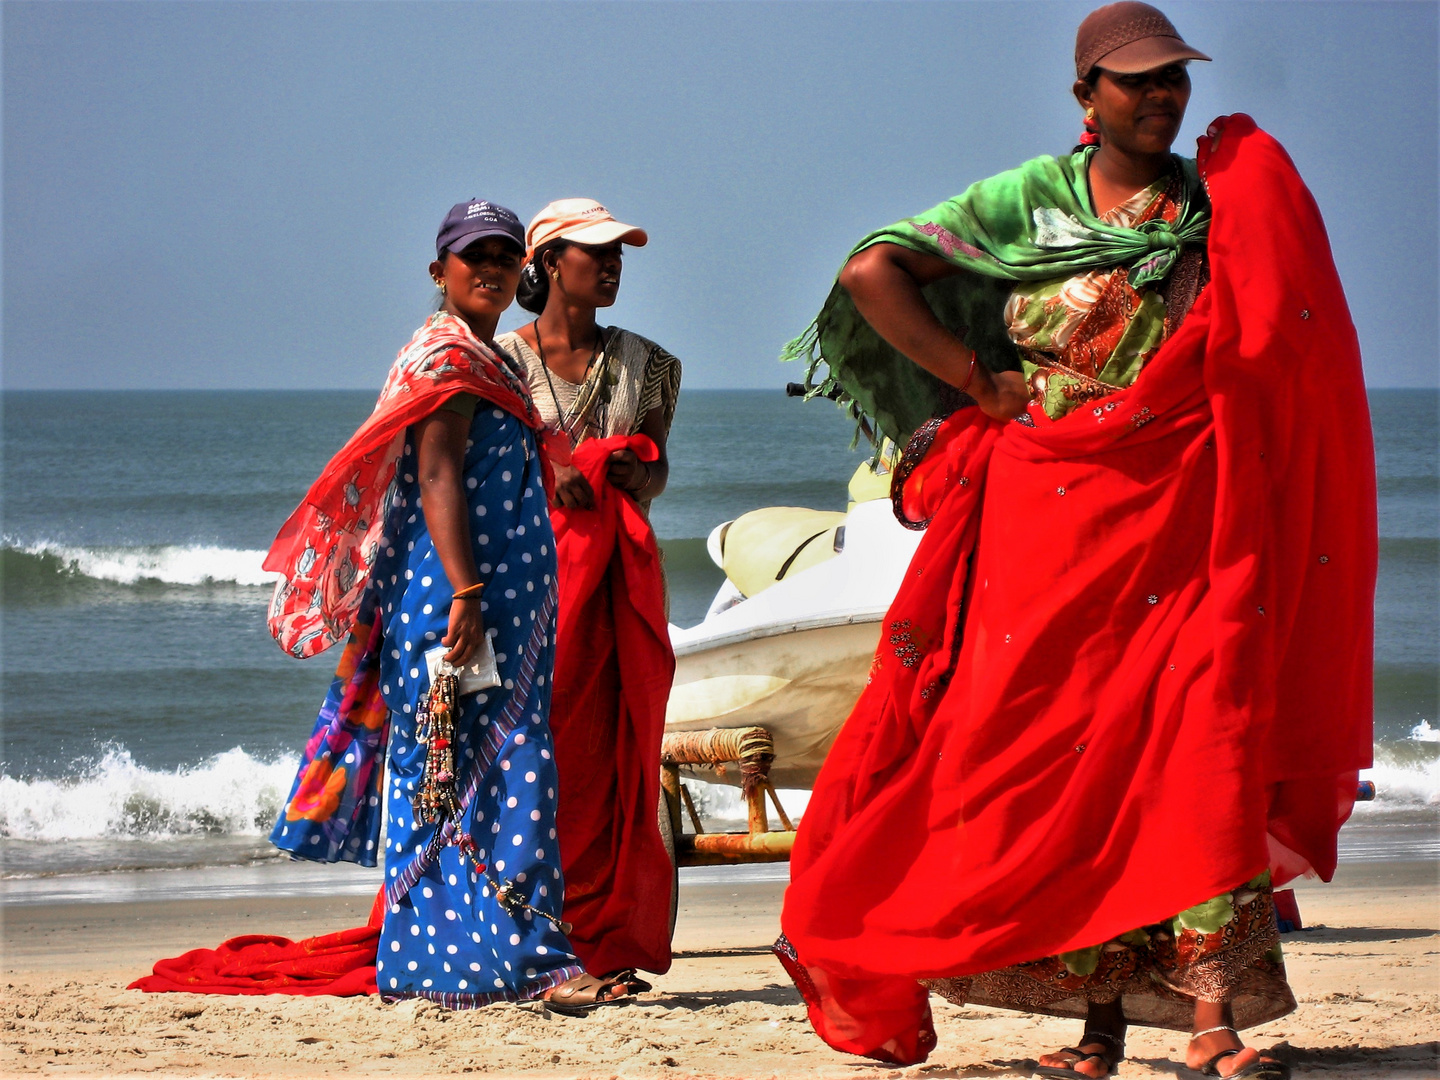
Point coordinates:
pixel 750 750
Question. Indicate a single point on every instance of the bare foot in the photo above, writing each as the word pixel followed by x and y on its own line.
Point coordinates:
pixel 1204 1047
pixel 1096 1067
pixel 1100 1049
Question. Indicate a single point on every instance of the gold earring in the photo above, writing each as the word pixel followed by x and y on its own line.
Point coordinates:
pixel 554 275
pixel 1090 113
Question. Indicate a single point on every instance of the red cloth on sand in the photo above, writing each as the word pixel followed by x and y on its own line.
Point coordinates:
pixel 340 964
pixel 1130 666
pixel 613 669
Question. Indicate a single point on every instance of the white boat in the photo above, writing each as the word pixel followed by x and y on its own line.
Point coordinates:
pixel 789 639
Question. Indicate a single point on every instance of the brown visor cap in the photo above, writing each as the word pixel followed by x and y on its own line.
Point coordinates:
pixel 1129 37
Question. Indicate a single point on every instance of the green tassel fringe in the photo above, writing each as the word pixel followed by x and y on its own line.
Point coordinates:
pixel 806 347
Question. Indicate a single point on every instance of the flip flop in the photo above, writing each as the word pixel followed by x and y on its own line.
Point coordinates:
pixel 584 993
pixel 1264 1069
pixel 1069 1072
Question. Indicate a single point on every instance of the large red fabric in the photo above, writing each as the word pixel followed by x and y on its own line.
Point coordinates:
pixel 1130 666
pixel 613 669
pixel 338 965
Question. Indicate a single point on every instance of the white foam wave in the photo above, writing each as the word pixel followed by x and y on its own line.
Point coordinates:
pixel 237 794
pixel 1423 732
pixel 723 802
pixel 1410 785
pixel 172 564
pixel 230 794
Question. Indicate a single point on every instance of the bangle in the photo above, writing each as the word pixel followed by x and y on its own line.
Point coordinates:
pixel 646 482
pixel 469 591
pixel 970 374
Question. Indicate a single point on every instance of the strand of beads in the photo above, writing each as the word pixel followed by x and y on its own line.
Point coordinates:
pixel 506 892
pixel 435 727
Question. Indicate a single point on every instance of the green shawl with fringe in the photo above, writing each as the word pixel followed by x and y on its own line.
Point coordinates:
pixel 1034 223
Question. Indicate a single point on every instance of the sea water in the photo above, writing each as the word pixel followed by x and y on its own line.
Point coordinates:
pixel 149 720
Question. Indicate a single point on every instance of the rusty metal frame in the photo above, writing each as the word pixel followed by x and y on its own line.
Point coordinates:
pixel 752 749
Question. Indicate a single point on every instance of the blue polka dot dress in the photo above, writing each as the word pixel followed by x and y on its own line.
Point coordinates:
pixel 446 936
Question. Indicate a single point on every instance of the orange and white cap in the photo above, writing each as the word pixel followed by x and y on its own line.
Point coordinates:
pixel 581 221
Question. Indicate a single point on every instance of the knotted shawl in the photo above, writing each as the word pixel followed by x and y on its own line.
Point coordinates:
pixel 1034 223
pixel 1130 664
pixel 327 546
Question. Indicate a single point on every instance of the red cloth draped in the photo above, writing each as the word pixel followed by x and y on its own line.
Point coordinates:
pixel 339 965
pixel 613 669
pixel 1130 666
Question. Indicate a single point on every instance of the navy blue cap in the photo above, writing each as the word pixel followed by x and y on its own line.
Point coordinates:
pixel 474 220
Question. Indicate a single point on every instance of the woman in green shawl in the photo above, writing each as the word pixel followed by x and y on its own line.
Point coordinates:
pixel 1037 293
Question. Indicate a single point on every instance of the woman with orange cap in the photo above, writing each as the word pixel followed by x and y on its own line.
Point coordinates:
pixel 612 394
pixel 1125 687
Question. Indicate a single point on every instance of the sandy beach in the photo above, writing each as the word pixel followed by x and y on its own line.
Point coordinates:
pixel 1367 977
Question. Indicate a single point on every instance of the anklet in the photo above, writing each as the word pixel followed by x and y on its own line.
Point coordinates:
pixel 1211 1031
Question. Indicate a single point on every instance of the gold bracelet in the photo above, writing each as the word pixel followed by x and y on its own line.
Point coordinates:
pixel 468 591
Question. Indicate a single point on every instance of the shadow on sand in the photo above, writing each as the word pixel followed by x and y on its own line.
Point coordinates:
pixel 1337 934
pixel 771 994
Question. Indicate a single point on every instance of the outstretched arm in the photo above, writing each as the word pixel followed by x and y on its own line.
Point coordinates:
pixel 884 281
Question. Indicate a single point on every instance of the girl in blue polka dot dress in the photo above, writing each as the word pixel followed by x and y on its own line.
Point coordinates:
pixel 472 895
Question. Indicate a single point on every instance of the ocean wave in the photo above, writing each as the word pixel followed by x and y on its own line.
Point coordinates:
pixel 45 569
pixel 1401 785
pixel 724 803
pixel 231 794
pixel 237 794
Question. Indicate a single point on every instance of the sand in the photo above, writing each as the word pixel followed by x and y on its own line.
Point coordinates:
pixel 1368 982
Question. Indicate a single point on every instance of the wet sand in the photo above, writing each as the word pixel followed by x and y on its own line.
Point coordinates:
pixel 1367 978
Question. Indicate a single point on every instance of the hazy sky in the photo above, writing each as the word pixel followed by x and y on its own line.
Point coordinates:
pixel 246 195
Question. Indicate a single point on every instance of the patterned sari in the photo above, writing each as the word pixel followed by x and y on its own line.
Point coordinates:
pixel 614 664
pixel 1129 668
pixel 445 934
pixel 461 929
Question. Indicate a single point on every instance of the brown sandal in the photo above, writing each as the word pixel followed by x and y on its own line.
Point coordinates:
pixel 584 993
pixel 630 979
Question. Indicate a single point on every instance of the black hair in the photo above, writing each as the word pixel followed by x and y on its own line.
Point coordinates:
pixel 439 292
pixel 534 287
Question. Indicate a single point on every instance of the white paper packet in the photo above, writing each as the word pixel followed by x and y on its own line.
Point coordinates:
pixel 475 676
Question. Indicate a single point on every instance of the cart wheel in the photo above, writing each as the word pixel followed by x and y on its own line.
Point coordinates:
pixel 667 837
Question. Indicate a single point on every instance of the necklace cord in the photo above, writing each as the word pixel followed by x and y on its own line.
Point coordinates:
pixel 545 367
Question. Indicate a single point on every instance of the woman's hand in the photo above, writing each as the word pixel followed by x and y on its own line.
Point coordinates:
pixel 572 490
pixel 1000 394
pixel 465 632
pixel 627 472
